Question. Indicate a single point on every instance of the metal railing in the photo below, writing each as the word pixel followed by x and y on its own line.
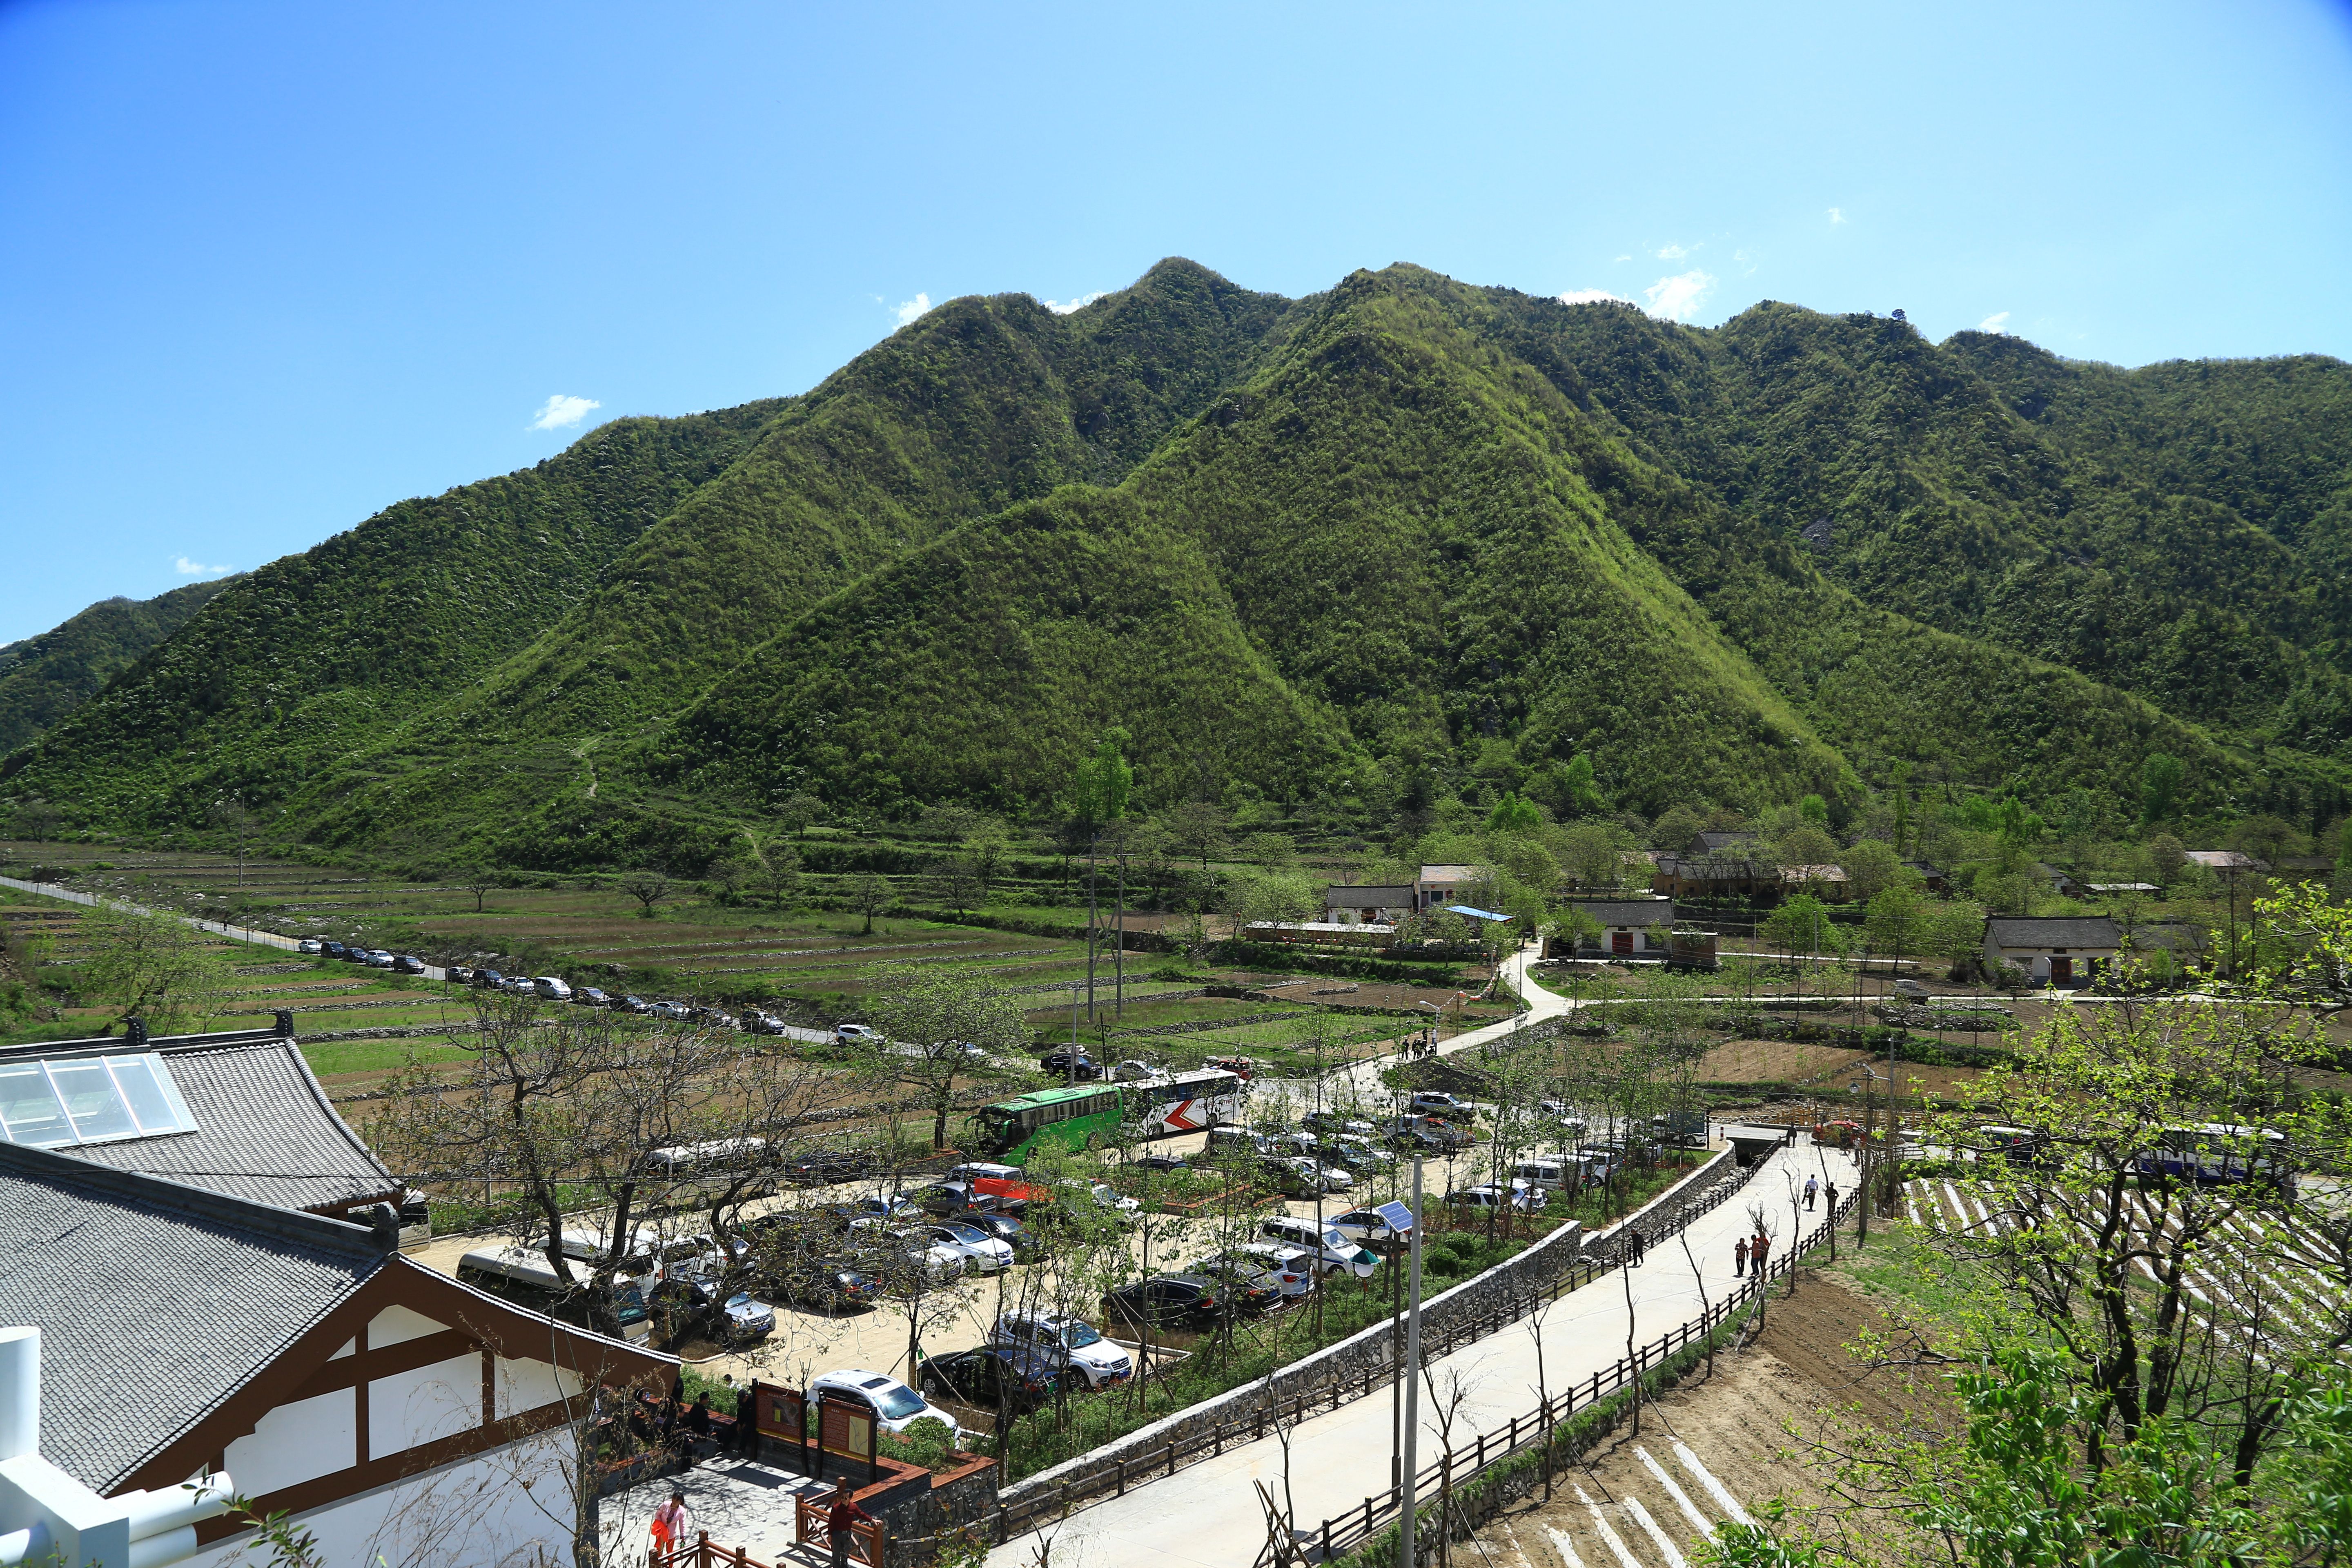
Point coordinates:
pixel 1534 1429
pixel 1014 1518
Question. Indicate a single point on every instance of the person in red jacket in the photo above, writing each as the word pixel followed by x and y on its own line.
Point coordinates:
pixel 837 1520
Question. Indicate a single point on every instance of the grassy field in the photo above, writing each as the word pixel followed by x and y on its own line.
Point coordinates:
pixel 697 944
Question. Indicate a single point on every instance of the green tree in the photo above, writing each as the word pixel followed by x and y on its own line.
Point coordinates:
pixel 149 966
pixel 1514 815
pixel 1871 864
pixel 940 1024
pixel 1814 809
pixel 2160 784
pixel 1897 923
pixel 2166 858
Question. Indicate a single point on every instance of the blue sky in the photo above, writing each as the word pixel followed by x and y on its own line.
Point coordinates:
pixel 266 268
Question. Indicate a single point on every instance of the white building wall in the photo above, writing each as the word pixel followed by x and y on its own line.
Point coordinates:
pixel 530 1384
pixel 394 1325
pixel 297 1442
pixel 410 1409
pixel 473 1514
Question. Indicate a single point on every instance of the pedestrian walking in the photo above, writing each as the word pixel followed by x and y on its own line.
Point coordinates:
pixel 1758 1251
pixel 1739 1258
pixel 1832 1193
pixel 1812 1191
pixel 1633 1239
pixel 670 1522
pixel 838 1518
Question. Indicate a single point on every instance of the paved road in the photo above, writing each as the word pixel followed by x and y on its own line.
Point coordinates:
pixel 1207 1516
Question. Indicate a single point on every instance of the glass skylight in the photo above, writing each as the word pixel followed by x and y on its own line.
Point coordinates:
pixel 89 1099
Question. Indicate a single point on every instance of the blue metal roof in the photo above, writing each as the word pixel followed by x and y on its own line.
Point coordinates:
pixel 1475 914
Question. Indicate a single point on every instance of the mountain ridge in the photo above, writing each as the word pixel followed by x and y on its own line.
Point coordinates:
pixel 1406 528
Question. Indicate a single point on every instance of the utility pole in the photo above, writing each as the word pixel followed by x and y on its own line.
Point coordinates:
pixel 1406 1501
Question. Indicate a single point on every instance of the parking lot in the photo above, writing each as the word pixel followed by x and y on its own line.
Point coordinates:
pixel 957 1316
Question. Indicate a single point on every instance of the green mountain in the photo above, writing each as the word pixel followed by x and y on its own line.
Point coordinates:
pixel 44 677
pixel 1406 535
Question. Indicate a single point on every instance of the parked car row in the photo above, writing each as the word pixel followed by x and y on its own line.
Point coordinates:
pixel 373 957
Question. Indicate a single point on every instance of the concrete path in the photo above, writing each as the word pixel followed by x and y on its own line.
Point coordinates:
pixel 1207 1516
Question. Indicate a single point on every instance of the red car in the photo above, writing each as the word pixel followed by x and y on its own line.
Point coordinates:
pixel 1240 1067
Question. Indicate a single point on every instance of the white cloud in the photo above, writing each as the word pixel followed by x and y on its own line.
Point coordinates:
pixel 1997 322
pixel 1678 298
pixel 560 411
pixel 1625 257
pixel 187 568
pixel 1670 253
pixel 1592 296
pixel 912 309
pixel 1064 307
pixel 1837 216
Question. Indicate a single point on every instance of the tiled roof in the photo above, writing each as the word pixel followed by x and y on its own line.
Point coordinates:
pixel 1714 841
pixel 265 1128
pixel 1367 897
pixel 1644 912
pixel 2053 931
pixel 155 1301
pixel 1448 873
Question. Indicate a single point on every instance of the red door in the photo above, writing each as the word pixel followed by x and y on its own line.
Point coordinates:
pixel 1620 941
pixel 2061 972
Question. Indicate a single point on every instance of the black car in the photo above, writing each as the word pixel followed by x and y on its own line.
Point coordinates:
pixel 407 963
pixel 1239 1281
pixel 632 1005
pixel 824 1169
pixel 1166 1165
pixel 1420 1141
pixel 488 979
pixel 459 973
pixel 1006 1230
pixel 1170 1301
pixel 1082 1066
pixel 993 1377
pixel 829 1287
pixel 331 949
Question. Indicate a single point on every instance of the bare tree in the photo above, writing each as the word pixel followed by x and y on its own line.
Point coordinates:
pixel 231 817
pixel 870 893
pixel 648 887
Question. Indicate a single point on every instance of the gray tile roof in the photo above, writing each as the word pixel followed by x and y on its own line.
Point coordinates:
pixel 1368 896
pixel 155 1301
pixel 265 1128
pixel 1643 912
pixel 2053 931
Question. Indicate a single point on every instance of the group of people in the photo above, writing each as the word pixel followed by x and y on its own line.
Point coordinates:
pixel 1756 1250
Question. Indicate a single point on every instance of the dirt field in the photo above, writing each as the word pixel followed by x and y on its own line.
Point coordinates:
pixel 1786 1061
pixel 1748 1427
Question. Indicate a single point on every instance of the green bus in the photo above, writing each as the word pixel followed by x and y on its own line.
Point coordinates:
pixel 1088 1115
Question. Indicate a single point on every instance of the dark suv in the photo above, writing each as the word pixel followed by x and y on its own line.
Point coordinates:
pixel 1170 1301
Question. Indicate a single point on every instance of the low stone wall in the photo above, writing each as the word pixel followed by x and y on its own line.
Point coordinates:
pixel 1346 1362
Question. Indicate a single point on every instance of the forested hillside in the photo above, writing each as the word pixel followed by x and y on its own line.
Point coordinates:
pixel 46 677
pixel 1408 537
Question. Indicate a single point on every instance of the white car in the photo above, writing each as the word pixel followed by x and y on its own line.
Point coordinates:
pixel 894 1405
pixel 1366 1226
pixel 939 1261
pixel 1328 1246
pixel 1133 1072
pixel 981 1170
pixel 551 988
pixel 1436 1103
pixel 856 1034
pixel 1126 1208
pixel 1292 1268
pixel 982 1252
pixel 1073 1340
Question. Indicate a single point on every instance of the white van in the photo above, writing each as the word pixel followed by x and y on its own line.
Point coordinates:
pixel 550 988
pixel 1561 1173
pixel 525 1278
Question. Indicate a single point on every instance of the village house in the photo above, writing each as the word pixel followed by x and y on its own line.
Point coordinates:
pixel 244 1116
pixel 1442 885
pixel 2056 949
pixel 387 1409
pixel 1629 928
pixel 1369 905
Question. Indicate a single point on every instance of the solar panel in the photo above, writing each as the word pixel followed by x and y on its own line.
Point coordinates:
pixel 54 1102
